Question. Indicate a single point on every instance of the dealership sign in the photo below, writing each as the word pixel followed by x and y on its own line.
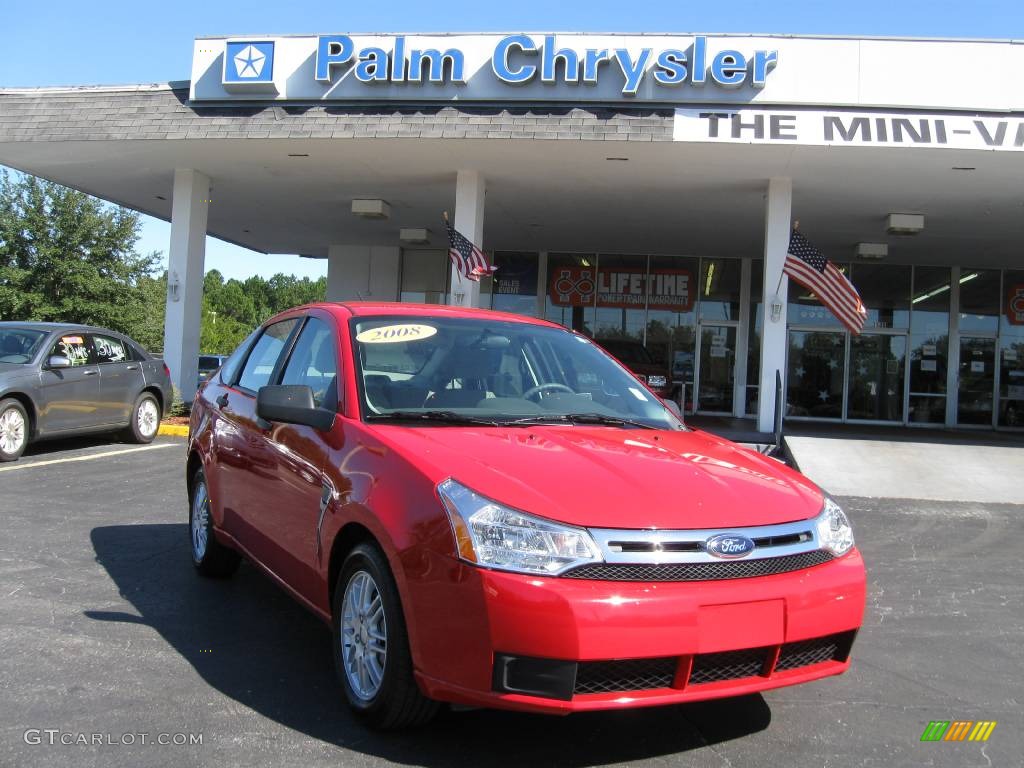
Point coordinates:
pixel 848 128
pixel 665 289
pixel 1015 305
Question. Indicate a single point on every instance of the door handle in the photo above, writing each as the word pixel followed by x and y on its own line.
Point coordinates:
pixel 131 368
pixel 222 400
pixel 89 373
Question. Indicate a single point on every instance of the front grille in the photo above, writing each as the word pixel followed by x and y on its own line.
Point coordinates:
pixel 727 569
pixel 624 675
pixel 728 665
pixel 814 651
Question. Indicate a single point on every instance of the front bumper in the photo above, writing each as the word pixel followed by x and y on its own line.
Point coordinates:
pixel 578 645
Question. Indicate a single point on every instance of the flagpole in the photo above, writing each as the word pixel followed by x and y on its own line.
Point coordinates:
pixel 778 287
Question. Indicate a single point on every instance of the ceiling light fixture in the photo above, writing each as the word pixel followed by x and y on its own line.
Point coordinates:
pixel 618 159
pixel 371 209
pixel 904 223
pixel 872 250
pixel 417 235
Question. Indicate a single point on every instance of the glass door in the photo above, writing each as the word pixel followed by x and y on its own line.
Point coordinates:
pixel 715 380
pixel 977 380
pixel 876 377
pixel 817 369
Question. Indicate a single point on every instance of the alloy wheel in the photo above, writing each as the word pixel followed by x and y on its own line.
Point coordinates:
pixel 12 431
pixel 148 417
pixel 364 636
pixel 200 521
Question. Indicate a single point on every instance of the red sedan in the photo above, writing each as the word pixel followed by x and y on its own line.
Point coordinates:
pixel 490 510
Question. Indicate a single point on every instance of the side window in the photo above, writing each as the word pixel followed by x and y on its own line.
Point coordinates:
pixel 260 365
pixel 314 363
pixel 230 366
pixel 75 348
pixel 109 349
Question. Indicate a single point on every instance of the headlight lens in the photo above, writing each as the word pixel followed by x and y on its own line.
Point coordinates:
pixel 496 536
pixel 834 530
pixel 656 381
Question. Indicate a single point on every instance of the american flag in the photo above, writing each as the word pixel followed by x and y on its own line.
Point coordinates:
pixel 467 260
pixel 809 267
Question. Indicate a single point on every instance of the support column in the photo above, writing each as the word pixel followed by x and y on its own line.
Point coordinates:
pixel 185 264
pixel 363 272
pixel 739 390
pixel 469 220
pixel 777 217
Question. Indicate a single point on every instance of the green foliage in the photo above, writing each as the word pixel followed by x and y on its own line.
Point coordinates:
pixel 68 257
pixel 178 406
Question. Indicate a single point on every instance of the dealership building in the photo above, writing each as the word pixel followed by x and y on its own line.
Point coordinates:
pixel 638 187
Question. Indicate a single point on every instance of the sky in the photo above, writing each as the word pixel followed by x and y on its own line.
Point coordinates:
pixel 70 42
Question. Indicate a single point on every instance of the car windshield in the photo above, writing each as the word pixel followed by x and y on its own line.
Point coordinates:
pixel 481 370
pixel 19 345
pixel 627 351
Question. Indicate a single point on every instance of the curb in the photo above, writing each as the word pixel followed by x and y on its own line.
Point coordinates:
pixel 177 430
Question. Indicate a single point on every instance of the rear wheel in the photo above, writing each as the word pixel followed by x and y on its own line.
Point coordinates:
pixel 145 419
pixel 13 429
pixel 210 557
pixel 371 646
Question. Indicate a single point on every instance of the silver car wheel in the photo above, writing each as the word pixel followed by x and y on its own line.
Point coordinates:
pixel 364 636
pixel 148 417
pixel 12 431
pixel 200 521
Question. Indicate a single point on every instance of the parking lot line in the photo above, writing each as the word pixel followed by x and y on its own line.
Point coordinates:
pixel 89 457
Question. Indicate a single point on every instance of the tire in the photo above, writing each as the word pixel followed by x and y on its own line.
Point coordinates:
pixel 209 556
pixel 394 700
pixel 145 423
pixel 14 429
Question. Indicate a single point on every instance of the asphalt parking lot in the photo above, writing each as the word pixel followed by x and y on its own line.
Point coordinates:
pixel 107 630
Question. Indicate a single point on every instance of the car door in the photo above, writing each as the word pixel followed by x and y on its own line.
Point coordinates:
pixel 248 465
pixel 289 517
pixel 121 378
pixel 69 397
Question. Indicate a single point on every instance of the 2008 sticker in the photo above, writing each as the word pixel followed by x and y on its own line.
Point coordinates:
pixel 390 334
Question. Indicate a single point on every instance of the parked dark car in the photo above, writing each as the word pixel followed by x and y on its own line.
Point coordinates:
pixel 635 356
pixel 209 365
pixel 58 380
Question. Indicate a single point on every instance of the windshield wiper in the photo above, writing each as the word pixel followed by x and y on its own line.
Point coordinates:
pixel 449 417
pixel 578 418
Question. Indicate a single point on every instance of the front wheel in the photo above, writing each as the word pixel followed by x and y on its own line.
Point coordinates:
pixel 145 419
pixel 13 429
pixel 371 646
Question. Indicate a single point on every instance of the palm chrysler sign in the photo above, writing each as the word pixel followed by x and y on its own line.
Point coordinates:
pixel 519 67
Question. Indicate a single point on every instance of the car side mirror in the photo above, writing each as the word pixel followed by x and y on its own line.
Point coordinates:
pixel 58 361
pixel 292 404
pixel 673 406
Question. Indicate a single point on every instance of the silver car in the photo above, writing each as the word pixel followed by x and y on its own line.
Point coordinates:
pixel 58 380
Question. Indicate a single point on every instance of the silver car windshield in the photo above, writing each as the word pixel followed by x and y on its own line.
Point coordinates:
pixel 480 370
pixel 19 345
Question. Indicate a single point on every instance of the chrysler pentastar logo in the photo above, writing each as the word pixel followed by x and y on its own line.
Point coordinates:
pixel 729 545
pixel 249 62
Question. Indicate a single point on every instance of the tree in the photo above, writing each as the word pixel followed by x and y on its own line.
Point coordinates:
pixel 69 257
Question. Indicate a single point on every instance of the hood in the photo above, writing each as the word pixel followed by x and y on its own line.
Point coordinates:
pixel 11 371
pixel 605 477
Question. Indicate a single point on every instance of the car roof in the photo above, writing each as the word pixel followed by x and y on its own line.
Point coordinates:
pixel 394 308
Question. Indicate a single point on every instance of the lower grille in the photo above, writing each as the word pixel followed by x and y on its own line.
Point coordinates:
pixel 728 665
pixel 814 651
pixel 727 569
pixel 624 675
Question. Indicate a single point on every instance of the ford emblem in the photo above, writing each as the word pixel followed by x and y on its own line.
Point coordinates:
pixel 729 545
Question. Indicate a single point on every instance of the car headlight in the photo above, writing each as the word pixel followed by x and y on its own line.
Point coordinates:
pixel 834 530
pixel 657 381
pixel 496 536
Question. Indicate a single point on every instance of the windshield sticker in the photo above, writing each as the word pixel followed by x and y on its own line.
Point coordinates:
pixel 390 334
pixel 109 350
pixel 74 349
pixel 638 394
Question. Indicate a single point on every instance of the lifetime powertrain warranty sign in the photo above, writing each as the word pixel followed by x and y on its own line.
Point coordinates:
pixel 843 128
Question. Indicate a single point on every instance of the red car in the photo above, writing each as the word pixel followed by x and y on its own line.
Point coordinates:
pixel 490 510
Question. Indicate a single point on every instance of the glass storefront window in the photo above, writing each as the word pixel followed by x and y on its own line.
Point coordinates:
pixel 979 300
pixel 875 390
pixel 720 289
pixel 717 365
pixel 929 344
pixel 514 285
pixel 424 277
pixel 885 292
pixel 816 373
pixel 621 297
pixel 672 317
pixel 571 290
pixel 1011 351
